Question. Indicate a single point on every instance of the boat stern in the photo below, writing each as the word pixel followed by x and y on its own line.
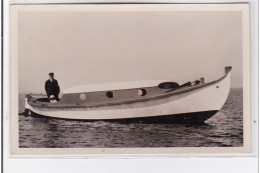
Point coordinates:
pixel 26 105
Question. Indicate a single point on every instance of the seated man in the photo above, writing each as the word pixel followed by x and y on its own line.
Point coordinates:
pixel 52 88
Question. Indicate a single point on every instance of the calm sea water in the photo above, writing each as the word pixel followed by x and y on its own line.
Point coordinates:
pixel 224 129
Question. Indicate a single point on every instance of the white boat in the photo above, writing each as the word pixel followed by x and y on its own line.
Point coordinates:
pixel 150 101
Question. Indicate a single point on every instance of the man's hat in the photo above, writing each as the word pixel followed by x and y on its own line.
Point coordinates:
pixel 51 74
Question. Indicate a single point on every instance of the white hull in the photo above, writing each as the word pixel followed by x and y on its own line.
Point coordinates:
pixel 208 98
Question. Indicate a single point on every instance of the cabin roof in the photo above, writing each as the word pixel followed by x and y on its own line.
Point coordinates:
pixel 112 86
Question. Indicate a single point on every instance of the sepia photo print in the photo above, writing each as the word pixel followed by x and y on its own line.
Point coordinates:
pixel 130 79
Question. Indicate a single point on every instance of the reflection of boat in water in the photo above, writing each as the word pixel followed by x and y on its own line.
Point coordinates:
pixel 151 101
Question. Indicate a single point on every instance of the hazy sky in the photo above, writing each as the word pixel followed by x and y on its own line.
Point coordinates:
pixel 96 47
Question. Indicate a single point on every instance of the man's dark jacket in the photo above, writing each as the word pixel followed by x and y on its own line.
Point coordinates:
pixel 52 88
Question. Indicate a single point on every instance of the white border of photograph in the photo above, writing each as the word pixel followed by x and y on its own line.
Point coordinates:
pixel 223 163
pixel 16 9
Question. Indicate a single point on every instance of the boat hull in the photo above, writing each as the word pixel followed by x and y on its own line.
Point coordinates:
pixel 185 118
pixel 192 106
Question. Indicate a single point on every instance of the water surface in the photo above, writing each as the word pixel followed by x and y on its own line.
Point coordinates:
pixel 224 129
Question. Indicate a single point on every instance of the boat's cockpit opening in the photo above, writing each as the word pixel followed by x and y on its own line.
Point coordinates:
pixel 187 84
pixel 168 85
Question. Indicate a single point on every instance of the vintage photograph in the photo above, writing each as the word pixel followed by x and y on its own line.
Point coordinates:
pixel 130 76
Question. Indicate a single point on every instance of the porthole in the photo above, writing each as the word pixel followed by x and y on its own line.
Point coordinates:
pixel 142 92
pixel 82 96
pixel 109 94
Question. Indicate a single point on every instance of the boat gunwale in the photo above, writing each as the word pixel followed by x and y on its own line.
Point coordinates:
pixel 168 93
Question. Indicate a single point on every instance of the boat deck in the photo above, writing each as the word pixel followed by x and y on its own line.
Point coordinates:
pixel 94 99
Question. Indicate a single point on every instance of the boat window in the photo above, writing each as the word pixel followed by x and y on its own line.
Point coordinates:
pixel 82 96
pixel 109 94
pixel 142 92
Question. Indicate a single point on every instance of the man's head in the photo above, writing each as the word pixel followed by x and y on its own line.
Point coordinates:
pixel 51 75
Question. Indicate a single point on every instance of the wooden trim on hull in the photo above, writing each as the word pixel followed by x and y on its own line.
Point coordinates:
pixel 184 118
